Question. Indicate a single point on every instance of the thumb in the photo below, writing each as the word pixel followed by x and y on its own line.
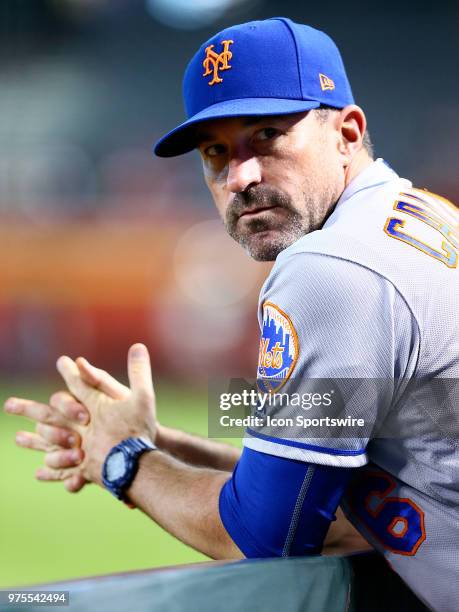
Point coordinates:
pixel 139 371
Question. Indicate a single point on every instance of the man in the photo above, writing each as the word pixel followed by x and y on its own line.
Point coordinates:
pixel 365 287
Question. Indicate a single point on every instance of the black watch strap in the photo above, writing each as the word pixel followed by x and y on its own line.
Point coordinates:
pixel 129 451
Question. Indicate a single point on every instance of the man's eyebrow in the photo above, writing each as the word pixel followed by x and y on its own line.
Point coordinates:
pixel 253 120
pixel 202 136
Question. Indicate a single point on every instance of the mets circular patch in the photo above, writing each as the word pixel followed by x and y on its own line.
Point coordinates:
pixel 278 349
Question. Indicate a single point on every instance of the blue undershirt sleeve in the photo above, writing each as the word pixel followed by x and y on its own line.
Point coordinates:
pixel 280 507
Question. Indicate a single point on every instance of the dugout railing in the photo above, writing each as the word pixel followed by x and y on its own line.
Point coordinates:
pixel 354 583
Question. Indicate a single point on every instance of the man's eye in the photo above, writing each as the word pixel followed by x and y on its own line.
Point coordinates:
pixel 214 150
pixel 266 133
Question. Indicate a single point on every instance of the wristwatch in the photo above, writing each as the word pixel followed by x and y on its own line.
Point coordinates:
pixel 121 465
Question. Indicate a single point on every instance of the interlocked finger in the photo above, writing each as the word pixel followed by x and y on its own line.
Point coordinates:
pixel 70 408
pixel 27 439
pixel 69 371
pixel 75 483
pixel 102 380
pixel 36 411
pixel 64 458
pixel 58 436
pixel 51 475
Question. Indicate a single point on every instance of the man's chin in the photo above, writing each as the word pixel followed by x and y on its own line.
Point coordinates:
pixel 265 245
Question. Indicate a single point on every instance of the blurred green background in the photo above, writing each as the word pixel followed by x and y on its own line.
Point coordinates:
pixel 47 534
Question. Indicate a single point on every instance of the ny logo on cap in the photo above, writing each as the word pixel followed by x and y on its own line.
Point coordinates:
pixel 215 62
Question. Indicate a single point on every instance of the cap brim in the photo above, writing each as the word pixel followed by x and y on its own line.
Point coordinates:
pixel 182 139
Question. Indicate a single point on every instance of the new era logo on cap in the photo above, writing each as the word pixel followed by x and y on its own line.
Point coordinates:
pixel 326 82
pixel 270 67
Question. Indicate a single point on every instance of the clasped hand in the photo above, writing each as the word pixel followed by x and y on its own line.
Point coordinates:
pixel 80 426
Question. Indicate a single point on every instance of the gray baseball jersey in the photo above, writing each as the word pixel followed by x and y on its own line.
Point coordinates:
pixel 374 296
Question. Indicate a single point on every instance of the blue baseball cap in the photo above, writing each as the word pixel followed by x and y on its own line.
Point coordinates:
pixel 270 67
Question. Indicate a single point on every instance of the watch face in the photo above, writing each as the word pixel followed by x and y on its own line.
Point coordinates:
pixel 116 466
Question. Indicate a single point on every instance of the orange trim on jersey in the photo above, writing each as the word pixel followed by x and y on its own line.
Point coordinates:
pixel 432 217
pixel 421 523
pixel 438 197
pixel 398 519
pixel 401 223
pixel 447 211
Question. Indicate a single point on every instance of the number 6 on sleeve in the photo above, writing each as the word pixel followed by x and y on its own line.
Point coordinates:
pixel 397 522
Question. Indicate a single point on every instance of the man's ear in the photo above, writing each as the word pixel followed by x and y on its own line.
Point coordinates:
pixel 351 125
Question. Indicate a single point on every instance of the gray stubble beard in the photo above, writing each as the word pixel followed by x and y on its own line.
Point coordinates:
pixel 294 227
pixel 268 249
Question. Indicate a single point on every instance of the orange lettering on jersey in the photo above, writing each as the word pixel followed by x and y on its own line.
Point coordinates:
pixel 214 62
pixel 273 358
pixel 277 355
pixel 326 82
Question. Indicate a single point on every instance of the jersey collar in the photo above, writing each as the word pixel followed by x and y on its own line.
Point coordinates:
pixel 377 173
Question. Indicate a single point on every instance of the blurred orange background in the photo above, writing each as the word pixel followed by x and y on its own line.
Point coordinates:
pixel 102 244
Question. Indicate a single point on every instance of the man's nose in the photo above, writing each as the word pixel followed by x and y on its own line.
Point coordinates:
pixel 242 173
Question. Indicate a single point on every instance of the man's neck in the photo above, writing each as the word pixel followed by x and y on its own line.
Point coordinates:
pixel 359 163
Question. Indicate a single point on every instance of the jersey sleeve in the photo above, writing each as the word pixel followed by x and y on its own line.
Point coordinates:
pixel 278 507
pixel 338 333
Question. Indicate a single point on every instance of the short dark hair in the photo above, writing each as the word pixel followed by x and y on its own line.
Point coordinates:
pixel 323 113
